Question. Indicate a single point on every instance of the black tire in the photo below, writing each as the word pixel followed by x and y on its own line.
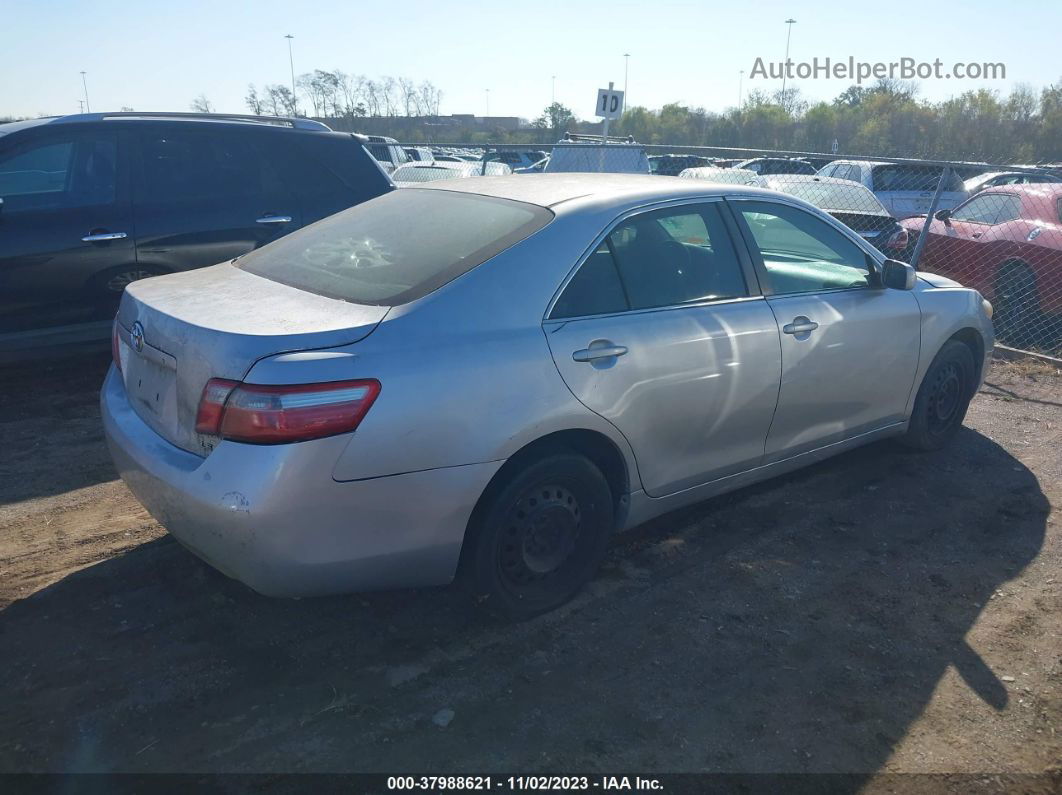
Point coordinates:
pixel 538 537
pixel 942 399
pixel 1017 305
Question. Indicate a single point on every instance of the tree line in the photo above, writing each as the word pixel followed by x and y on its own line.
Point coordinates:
pixel 887 119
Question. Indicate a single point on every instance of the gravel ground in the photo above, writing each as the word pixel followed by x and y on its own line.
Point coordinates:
pixel 882 612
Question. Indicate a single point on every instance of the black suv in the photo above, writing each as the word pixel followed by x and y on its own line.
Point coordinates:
pixel 94 201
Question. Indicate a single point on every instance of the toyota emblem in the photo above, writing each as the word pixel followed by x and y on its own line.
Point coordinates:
pixel 137 335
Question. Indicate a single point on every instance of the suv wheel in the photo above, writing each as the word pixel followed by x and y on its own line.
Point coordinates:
pixel 114 280
pixel 540 537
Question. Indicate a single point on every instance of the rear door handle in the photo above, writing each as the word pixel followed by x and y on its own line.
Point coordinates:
pixel 102 236
pixel 274 219
pixel 800 325
pixel 605 352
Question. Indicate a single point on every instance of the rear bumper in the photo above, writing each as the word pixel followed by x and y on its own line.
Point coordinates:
pixel 273 517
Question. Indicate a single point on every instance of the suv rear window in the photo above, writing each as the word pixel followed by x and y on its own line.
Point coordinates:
pixel 370 254
pixel 902 177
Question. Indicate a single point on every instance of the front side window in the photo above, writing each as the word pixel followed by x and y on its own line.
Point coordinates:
pixel 370 254
pixel 802 253
pixel 190 165
pixel 75 171
pixel 989 208
pixel 657 259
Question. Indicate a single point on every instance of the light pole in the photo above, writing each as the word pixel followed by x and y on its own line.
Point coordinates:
pixel 785 66
pixel 291 63
pixel 626 65
pixel 81 106
pixel 84 85
pixel 553 90
pixel 741 79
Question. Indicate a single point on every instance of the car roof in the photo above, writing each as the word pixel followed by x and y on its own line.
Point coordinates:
pixel 847 183
pixel 167 116
pixel 601 190
pixel 14 126
pixel 1037 190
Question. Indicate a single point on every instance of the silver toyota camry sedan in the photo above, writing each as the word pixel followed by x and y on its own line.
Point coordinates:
pixel 485 378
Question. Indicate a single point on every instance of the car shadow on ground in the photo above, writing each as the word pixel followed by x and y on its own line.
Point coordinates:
pixel 53 436
pixel 798 625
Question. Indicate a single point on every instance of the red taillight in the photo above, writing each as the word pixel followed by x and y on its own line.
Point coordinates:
pixel 212 404
pixel 116 352
pixel 898 240
pixel 266 414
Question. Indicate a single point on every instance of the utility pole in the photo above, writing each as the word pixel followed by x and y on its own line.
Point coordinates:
pixel 626 65
pixel 84 85
pixel 553 91
pixel 785 65
pixel 291 63
pixel 741 80
pixel 487 91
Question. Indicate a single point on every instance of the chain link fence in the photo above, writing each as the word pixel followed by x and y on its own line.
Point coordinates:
pixel 994 227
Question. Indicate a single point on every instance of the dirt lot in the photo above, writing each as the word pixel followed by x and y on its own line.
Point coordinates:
pixel 881 612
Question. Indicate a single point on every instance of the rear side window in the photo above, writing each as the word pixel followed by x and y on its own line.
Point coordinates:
pixel 662 258
pixel 398 247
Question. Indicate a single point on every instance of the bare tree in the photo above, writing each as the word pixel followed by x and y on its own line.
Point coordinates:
pixel 202 105
pixel 280 100
pixel 254 102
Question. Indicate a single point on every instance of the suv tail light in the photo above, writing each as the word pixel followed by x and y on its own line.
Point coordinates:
pixel 898 240
pixel 266 414
pixel 116 350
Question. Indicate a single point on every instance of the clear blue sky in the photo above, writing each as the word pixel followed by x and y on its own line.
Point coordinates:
pixel 154 55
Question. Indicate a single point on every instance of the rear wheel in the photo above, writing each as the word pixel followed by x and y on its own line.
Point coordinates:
pixel 539 537
pixel 943 398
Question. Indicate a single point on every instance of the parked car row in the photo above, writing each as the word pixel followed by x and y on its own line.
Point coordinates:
pixel 91 203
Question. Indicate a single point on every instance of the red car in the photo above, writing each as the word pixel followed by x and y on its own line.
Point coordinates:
pixel 1005 242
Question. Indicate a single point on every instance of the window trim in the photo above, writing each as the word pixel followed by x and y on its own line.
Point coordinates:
pixel 875 259
pixel 748 271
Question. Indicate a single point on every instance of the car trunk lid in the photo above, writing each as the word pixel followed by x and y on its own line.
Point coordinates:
pixel 178 331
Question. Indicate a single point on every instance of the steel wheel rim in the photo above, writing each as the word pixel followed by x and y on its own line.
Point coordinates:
pixel 541 535
pixel 945 397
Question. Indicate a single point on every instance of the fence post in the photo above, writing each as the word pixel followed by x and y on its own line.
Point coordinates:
pixel 945 175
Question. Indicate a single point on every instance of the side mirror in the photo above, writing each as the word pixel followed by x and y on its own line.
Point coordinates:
pixel 942 215
pixel 897 275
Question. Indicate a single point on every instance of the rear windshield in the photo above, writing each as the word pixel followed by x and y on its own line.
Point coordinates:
pixel 851 198
pixel 903 177
pixel 398 247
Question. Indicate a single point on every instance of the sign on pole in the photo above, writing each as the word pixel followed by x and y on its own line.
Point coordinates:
pixel 609 103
